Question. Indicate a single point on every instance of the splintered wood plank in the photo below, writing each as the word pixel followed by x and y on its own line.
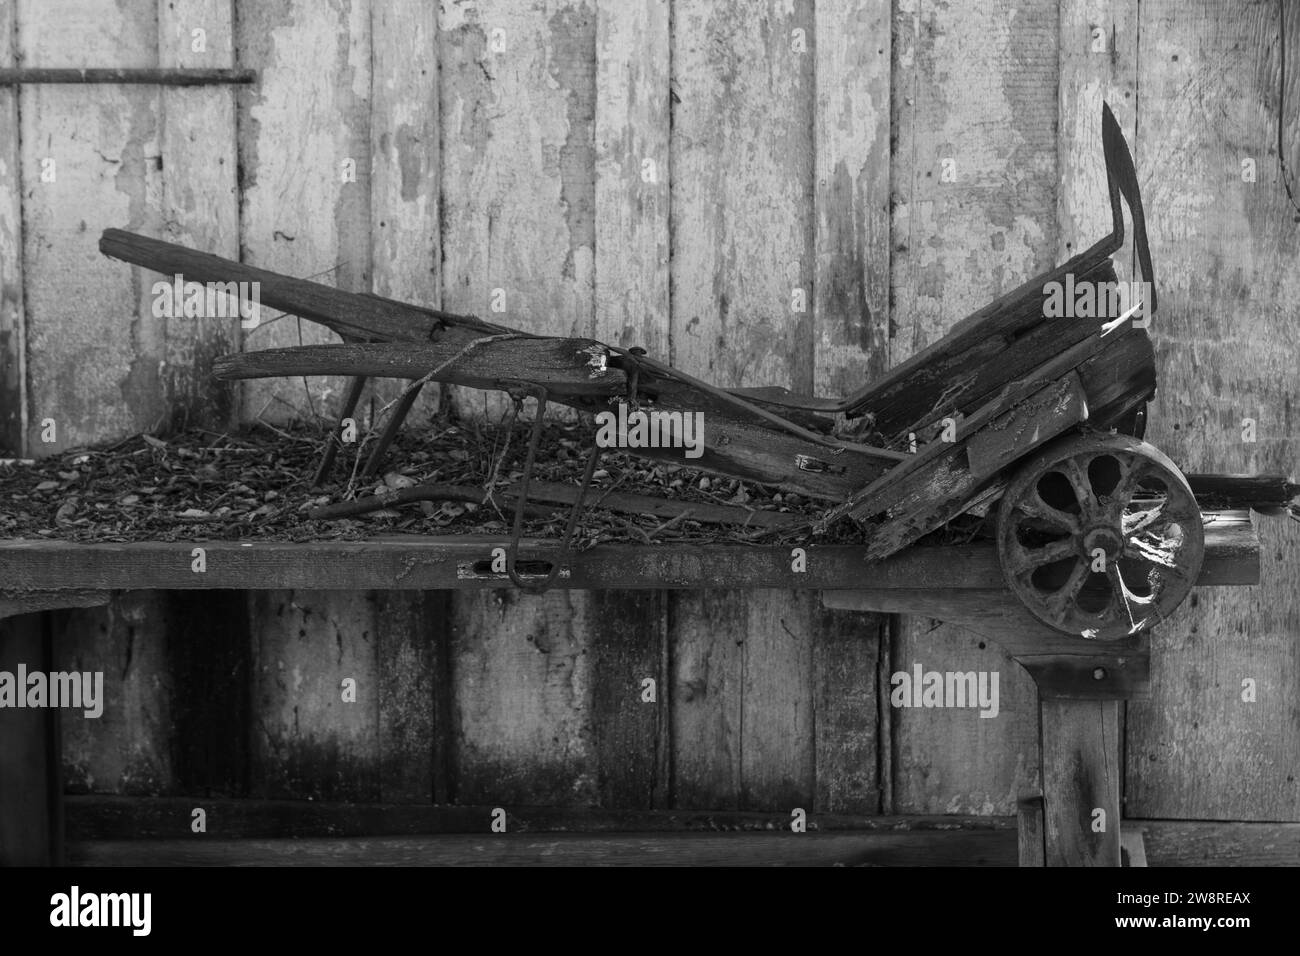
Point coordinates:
pixel 629 638
pixel 743 267
pixel 13 353
pixel 94 344
pixel 852 47
pixel 29 778
pixel 1081 782
pixel 308 741
pixel 518 105
pixel 304 148
pixel 1224 253
pixel 200 205
pixel 406 246
pixel 974 101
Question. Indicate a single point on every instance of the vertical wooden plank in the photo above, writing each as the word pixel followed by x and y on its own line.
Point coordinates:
pixel 708 646
pixel 29 777
pixel 200 207
pixel 846 655
pixel 626 634
pixel 406 253
pixel 976 85
pixel 777 743
pixel 851 283
pixel 129 747
pixel 95 346
pixel 309 742
pixel 411 663
pixel 406 173
pixel 522 680
pixel 853 46
pixel 305 165
pixel 1081 776
pixel 13 352
pixel 518 114
pixel 1098 64
pixel 1224 252
pixel 1029 830
pixel 298 127
pixel 91 159
pixel 742 262
pixel 632 174
pixel 628 642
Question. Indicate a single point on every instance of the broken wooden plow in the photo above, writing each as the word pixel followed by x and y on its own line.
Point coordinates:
pixel 1020 408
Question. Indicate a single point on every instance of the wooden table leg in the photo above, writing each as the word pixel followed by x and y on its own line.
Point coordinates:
pixel 1081 782
pixel 31 788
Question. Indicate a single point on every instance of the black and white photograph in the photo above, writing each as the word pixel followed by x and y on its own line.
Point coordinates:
pixel 630 433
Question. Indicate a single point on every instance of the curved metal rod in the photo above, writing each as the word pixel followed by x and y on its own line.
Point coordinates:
pixel 512 553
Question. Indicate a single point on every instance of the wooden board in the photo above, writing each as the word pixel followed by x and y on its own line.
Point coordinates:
pixel 629 636
pixel 1081 782
pixel 29 765
pixel 101 364
pixel 976 85
pixel 87 319
pixel 518 88
pixel 199 204
pixel 743 228
pixel 852 49
pixel 820 849
pixel 1203 843
pixel 418 562
pixel 306 117
pixel 1224 251
pixel 13 352
pixel 406 167
pixel 91 818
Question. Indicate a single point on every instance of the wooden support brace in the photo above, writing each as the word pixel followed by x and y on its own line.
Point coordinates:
pixel 1081 782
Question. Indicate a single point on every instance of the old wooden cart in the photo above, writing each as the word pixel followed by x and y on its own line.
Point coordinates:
pixel 1031 418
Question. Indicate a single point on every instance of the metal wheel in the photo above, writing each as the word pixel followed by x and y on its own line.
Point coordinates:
pixel 1100 535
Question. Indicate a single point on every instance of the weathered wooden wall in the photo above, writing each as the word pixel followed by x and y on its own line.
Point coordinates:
pixel 674 175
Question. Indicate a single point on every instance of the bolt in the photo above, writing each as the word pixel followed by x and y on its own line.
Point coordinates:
pixel 1099 673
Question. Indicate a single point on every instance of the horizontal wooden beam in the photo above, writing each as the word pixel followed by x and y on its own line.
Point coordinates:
pixel 150 76
pixel 1218 843
pixel 954 848
pixel 104 817
pixel 412 562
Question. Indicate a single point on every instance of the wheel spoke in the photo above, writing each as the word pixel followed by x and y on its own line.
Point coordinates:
pixel 1027 559
pixel 1080 482
pixel 1058 602
pixel 1036 507
pixel 1135 469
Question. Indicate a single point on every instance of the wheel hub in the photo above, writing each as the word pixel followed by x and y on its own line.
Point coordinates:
pixel 1107 539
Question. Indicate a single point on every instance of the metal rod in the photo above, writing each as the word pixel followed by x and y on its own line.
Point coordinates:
pixel 15 76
